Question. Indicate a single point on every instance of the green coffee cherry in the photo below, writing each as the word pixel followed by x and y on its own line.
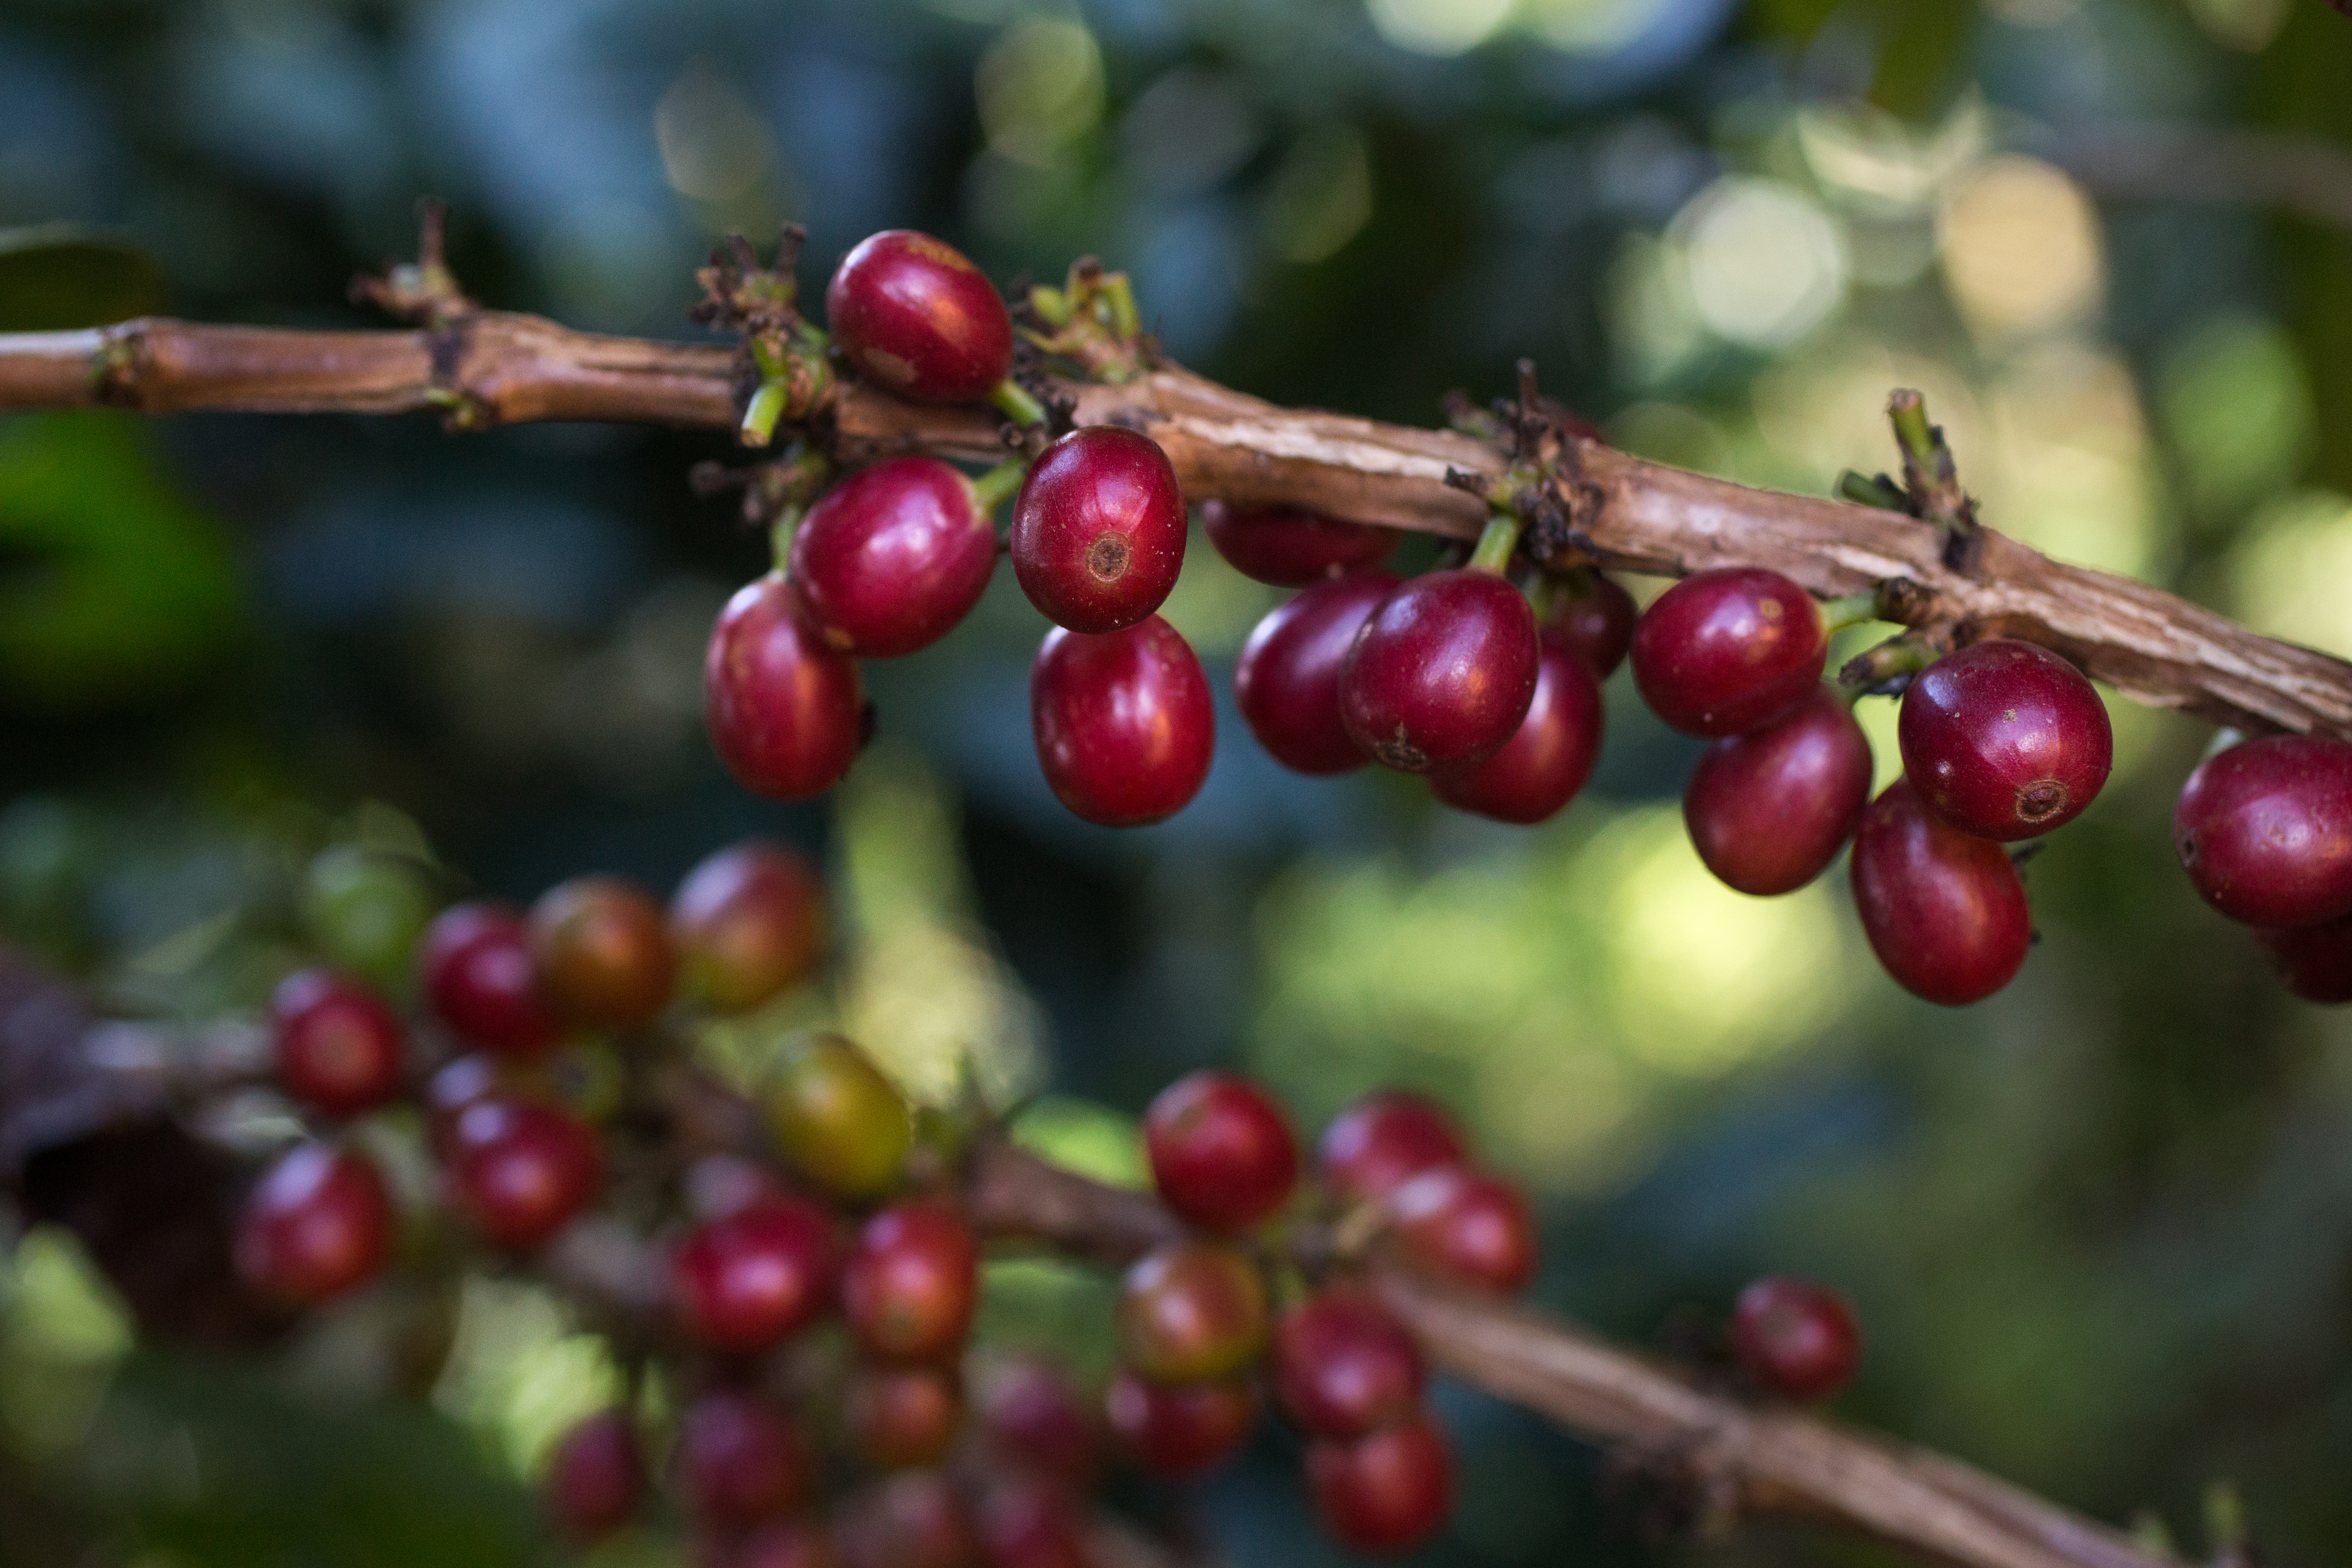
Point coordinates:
pixel 838 1119
pixel 364 910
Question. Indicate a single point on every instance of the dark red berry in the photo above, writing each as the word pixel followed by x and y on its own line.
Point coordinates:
pixel 339 1050
pixel 911 1281
pixel 1222 1152
pixel 1178 1430
pixel 1383 1492
pixel 1287 680
pixel 1034 1418
pixel 459 1082
pixel 1945 912
pixel 596 1479
pixel 1728 651
pixel 786 712
pixel 739 1460
pixel 1098 530
pixel 892 557
pixel 778 1543
pixel 2005 740
pixel 1343 1366
pixel 602 951
pixel 521 1170
pixel 1795 1339
pixel 1384 1139
pixel 479 979
pixel 1290 546
pixel 1547 760
pixel 2315 962
pixel 912 313
pixel 2264 830
pixel 913 1519
pixel 765 1271
pixel 901 1415
pixel 1026 1523
pixel 1192 1312
pixel 1595 616
pixel 317 1223
pixel 1768 811
pixel 1441 672
pixel 748 922
pixel 1467 1226
pixel 1124 723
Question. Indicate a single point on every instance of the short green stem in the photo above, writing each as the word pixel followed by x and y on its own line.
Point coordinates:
pixel 1544 594
pixel 1851 610
pixel 1898 658
pixel 1496 544
pixel 779 536
pixel 760 414
pixel 1125 320
pixel 1908 413
pixel 991 489
pixel 1017 402
pixel 1873 490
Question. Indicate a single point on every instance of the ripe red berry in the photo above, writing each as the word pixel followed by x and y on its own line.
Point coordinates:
pixel 1098 534
pixel 459 1082
pixel 339 1050
pixel 1192 1312
pixel 1595 616
pixel 1290 546
pixel 1768 811
pixel 1547 760
pixel 2005 740
pixel 1181 1429
pixel 1725 652
pixel 913 1519
pixel 317 1223
pixel 2315 962
pixel 1945 912
pixel 2264 830
pixel 1795 1339
pixel 1441 672
pixel 787 714
pixel 1124 723
pixel 1026 1523
pixel 602 951
pixel 911 312
pixel 1383 1492
pixel 1384 1139
pixel 1222 1152
pixel 1287 680
pixel 739 1460
pixel 521 1170
pixel 902 1416
pixel 743 1282
pixel 892 557
pixel 911 1282
pixel 1033 1418
pixel 480 980
pixel 596 1480
pixel 1467 1226
pixel 1343 1366
pixel 748 922
pixel 839 1118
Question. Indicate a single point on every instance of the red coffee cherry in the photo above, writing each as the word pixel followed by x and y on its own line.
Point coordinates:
pixel 764 1272
pixel 1795 1339
pixel 1222 1153
pixel 777 1543
pixel 1124 723
pixel 1034 1418
pixel 1192 1312
pixel 1547 760
pixel 1383 1492
pixel 918 318
pixel 892 558
pixel 1026 1523
pixel 787 714
pixel 478 978
pixel 1467 1226
pixel 1287 680
pixel 596 1480
pixel 748 923
pixel 459 1082
pixel 602 951
pixel 1595 616
pixel 739 1460
pixel 1945 912
pixel 1098 534
pixel 913 1519
pixel 1768 811
pixel 522 1170
pixel 339 1050
pixel 1343 1366
pixel 911 1282
pixel 1290 546
pixel 1178 1430
pixel 1442 671
pixel 1725 652
pixel 839 1118
pixel 1384 1139
pixel 2264 830
pixel 2314 963
pixel 2005 740
pixel 902 1416
pixel 316 1225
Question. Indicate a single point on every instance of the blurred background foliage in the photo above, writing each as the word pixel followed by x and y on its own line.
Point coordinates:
pixel 2098 1229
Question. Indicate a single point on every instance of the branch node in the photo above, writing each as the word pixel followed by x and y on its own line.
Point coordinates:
pixel 425 290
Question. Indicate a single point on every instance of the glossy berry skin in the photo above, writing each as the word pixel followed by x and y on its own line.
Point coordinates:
pixel 1222 1152
pixel 1467 1226
pixel 1441 672
pixel 1124 723
pixel 1343 1366
pixel 596 1480
pixel 1768 811
pixel 839 1118
pixel 600 948
pixel 478 978
pixel 787 713
pixel 1795 1339
pixel 1596 617
pixel 1026 1523
pixel 340 1051
pixel 1290 546
pixel 892 558
pixel 459 1082
pixel 748 923
pixel 317 1223
pixel 1190 1312
pixel 1287 680
pixel 2004 740
pixel 1725 652
pixel 739 1460
pixel 910 1283
pixel 521 1170
pixel 746 1281
pixel 914 1518
pixel 1548 758
pixel 901 1415
pixel 918 318
pixel 1034 1419
pixel 1384 1492
pixel 1097 535
pixel 1180 1429
pixel 1945 912
pixel 1384 1139
pixel 2264 830
pixel 2314 963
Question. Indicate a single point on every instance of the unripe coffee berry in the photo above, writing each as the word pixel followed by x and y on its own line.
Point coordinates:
pixel 748 923
pixel 837 1119
pixel 601 949
pixel 1192 1312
